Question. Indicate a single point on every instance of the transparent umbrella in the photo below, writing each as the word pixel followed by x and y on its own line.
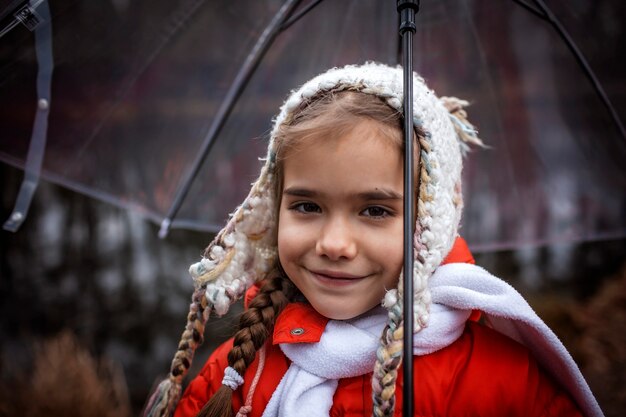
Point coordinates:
pixel 136 87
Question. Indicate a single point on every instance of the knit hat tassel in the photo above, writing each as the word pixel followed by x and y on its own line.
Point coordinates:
pixel 465 131
pixel 165 396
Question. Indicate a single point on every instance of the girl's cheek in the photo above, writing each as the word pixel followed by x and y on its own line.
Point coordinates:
pixel 393 249
pixel 287 236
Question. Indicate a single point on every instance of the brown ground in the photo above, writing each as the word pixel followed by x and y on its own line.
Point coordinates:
pixel 65 381
pixel 595 334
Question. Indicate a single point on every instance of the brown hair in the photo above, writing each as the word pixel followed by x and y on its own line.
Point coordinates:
pixel 329 114
pixel 255 325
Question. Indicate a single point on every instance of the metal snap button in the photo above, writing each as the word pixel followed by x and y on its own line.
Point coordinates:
pixel 297 331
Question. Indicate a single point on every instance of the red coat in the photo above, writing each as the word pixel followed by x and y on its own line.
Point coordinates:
pixel 483 373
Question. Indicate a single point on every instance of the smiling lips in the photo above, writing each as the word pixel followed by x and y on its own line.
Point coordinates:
pixel 336 278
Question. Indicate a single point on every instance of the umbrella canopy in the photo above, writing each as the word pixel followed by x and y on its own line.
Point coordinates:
pixel 136 86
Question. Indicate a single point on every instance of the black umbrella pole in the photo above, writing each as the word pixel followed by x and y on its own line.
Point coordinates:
pixel 407 10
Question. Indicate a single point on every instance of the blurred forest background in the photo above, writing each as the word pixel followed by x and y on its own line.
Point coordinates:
pixel 93 303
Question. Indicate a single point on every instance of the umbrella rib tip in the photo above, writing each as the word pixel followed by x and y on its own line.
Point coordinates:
pixel 165 228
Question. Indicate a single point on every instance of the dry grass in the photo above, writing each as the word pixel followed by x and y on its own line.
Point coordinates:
pixel 65 381
pixel 595 335
pixel 602 344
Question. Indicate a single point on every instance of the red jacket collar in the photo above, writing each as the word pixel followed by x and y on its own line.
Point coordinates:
pixel 459 253
pixel 299 323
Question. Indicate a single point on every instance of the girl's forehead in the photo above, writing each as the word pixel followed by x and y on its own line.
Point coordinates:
pixel 360 157
pixel 360 132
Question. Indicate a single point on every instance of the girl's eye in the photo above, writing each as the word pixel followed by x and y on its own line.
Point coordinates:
pixel 376 212
pixel 305 207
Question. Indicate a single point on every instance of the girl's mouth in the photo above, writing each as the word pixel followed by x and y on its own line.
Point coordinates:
pixel 336 278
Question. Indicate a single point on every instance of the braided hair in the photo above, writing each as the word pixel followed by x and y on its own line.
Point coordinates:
pixel 255 326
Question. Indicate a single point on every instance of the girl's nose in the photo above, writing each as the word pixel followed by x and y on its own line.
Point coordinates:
pixel 336 241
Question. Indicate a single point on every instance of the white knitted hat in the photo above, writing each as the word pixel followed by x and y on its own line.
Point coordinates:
pixel 245 250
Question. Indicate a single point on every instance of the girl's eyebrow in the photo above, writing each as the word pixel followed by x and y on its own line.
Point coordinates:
pixel 380 194
pixel 377 194
pixel 300 192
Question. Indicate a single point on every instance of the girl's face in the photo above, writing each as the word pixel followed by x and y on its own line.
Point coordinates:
pixel 340 220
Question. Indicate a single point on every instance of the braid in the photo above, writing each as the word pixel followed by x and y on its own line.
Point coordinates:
pixel 167 394
pixel 389 353
pixel 255 326
pixel 388 358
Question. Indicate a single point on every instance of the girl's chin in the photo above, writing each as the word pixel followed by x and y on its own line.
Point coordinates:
pixel 342 312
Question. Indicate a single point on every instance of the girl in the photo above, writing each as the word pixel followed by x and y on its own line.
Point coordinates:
pixel 317 245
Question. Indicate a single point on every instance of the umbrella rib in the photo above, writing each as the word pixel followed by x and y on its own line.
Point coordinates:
pixel 582 61
pixel 532 9
pixel 232 95
pixel 39 135
pixel 293 19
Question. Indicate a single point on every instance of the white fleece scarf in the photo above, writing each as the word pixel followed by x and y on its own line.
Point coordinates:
pixel 348 348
